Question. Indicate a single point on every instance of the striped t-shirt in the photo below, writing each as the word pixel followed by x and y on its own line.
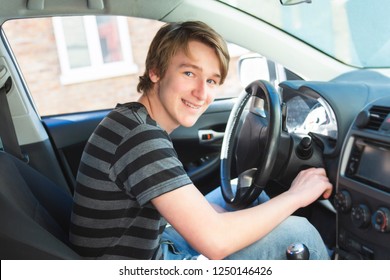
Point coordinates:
pixel 128 161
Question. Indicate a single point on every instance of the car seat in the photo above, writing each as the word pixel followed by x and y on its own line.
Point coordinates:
pixel 34 213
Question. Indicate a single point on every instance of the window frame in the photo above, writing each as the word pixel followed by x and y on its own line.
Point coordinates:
pixel 98 69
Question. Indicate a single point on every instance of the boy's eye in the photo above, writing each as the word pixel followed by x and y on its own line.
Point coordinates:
pixel 188 73
pixel 211 81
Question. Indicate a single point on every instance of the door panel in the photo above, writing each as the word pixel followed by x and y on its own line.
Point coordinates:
pixel 69 134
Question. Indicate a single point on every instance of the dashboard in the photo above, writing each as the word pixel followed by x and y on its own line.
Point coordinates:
pixel 363 189
pixel 351 114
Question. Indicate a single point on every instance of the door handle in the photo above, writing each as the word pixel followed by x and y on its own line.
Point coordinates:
pixel 209 136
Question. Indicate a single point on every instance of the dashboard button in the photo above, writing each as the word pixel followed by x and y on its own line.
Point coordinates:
pixel 380 220
pixel 361 216
pixel 343 201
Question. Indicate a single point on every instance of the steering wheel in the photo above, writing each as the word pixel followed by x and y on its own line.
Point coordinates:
pixel 253 139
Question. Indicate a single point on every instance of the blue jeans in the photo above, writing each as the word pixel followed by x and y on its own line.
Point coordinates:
pixel 271 247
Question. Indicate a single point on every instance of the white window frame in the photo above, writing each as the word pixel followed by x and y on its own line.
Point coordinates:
pixel 98 69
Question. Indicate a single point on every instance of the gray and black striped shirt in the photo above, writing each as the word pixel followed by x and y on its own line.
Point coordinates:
pixel 128 161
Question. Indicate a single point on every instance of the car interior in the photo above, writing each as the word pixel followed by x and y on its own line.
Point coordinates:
pixel 273 127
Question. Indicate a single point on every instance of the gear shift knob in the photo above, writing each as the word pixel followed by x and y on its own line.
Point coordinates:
pixel 297 251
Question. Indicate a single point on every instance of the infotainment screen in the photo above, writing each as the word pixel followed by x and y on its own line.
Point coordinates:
pixel 374 165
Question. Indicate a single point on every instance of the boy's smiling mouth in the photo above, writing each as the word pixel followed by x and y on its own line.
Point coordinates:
pixel 191 105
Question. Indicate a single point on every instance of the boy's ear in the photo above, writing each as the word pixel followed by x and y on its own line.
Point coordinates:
pixel 154 76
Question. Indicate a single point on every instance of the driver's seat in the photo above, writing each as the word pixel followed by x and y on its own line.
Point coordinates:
pixel 34 214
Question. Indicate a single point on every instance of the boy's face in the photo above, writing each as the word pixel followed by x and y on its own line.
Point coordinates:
pixel 188 87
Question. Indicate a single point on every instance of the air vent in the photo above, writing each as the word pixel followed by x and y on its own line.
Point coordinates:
pixel 377 115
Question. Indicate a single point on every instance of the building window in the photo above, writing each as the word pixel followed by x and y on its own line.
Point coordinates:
pixel 93 47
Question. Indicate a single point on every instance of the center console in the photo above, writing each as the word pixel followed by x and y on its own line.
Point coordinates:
pixel 362 196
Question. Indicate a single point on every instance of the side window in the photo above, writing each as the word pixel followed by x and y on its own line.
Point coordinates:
pixel 86 63
pixel 78 64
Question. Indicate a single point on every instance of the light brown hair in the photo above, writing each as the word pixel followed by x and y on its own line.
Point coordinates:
pixel 174 37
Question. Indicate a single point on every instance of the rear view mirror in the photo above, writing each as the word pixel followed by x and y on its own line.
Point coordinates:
pixel 294 2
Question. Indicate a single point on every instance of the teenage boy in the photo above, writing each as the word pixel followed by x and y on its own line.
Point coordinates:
pixel 131 182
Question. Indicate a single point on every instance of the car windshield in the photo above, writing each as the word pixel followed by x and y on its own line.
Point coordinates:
pixel 355 32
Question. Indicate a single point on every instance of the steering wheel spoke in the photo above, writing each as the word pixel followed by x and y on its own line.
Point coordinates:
pixel 245 179
pixel 257 107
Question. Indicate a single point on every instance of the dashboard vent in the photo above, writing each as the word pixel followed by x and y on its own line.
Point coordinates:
pixel 377 115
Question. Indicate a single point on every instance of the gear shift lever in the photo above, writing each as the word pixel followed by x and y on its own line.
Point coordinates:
pixel 297 251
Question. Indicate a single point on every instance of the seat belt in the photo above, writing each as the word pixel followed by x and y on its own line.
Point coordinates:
pixel 7 129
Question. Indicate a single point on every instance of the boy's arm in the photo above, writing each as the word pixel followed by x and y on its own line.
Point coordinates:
pixel 217 235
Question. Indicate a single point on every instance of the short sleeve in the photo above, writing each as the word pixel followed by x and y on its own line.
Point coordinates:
pixel 146 164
